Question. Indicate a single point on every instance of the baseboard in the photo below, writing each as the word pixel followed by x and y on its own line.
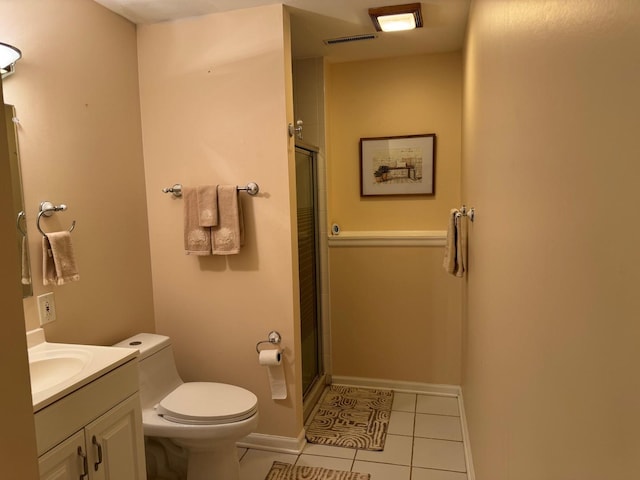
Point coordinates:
pixel 465 437
pixel 399 385
pixel 274 443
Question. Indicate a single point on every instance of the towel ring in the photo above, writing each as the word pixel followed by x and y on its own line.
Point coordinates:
pixel 47 209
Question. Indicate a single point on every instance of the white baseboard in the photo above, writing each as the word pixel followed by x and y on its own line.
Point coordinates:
pixel 471 475
pixel 274 443
pixel 399 385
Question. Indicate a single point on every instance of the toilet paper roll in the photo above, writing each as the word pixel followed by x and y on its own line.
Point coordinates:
pixel 272 359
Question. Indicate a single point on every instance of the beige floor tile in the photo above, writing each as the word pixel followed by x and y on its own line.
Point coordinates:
pixel 333 463
pixel 382 471
pixel 404 402
pixel 428 474
pixel 437 404
pixel 401 423
pixel 329 451
pixel 397 450
pixel 438 454
pixel 255 464
pixel 443 427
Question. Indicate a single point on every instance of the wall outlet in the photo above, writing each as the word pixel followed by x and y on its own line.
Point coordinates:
pixel 46 308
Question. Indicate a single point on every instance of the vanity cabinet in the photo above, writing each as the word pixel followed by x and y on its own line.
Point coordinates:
pixel 94 433
pixel 106 449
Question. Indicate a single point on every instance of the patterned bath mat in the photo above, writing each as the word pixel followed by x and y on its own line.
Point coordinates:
pixel 285 471
pixel 352 417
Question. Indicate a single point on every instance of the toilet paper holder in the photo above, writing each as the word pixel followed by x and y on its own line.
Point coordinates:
pixel 273 338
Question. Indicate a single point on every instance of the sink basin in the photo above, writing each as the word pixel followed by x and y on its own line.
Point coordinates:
pixel 57 369
pixel 56 366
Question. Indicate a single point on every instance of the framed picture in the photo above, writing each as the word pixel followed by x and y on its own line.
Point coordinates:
pixel 398 165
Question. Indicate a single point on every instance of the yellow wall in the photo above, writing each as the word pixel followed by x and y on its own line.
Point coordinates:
pixel 76 95
pixel 395 314
pixel 17 441
pixel 216 100
pixel 551 164
pixel 380 98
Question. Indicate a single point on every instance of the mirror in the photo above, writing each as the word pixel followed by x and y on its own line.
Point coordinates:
pixel 18 201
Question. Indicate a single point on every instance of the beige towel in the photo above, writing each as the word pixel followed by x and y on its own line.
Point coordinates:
pixel 58 260
pixel 449 262
pixel 207 205
pixel 461 245
pixel 197 239
pixel 228 236
pixel 26 270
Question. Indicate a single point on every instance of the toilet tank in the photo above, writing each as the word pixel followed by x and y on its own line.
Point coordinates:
pixel 158 375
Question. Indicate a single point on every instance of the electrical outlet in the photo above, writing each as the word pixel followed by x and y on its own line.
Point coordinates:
pixel 46 308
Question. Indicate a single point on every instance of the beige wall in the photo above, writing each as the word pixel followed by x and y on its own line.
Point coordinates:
pixel 216 100
pixel 395 314
pixel 551 164
pixel 17 441
pixel 76 95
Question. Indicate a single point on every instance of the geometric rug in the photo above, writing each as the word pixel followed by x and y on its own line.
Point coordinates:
pixel 285 471
pixel 352 417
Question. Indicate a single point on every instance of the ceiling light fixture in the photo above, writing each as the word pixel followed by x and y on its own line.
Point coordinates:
pixel 9 55
pixel 397 17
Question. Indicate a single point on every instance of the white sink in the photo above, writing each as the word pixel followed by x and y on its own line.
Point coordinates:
pixel 58 369
pixel 54 366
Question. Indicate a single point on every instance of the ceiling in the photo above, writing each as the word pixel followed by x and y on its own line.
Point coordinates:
pixel 313 21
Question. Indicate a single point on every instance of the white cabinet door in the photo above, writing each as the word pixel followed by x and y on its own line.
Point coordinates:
pixel 115 443
pixel 66 461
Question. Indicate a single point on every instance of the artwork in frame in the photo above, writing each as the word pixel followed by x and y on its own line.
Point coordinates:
pixel 402 165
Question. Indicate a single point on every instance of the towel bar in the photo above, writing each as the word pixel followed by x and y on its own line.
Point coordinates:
pixel 251 188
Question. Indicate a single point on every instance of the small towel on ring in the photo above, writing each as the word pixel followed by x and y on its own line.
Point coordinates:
pixel 58 260
pixel 207 196
pixel 461 245
pixel 228 236
pixel 449 262
pixel 197 239
pixel 24 254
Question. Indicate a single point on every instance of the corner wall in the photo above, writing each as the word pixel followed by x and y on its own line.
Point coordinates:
pixel 216 100
pixel 550 369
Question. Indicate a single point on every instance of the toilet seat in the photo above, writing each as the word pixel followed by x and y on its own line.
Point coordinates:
pixel 207 403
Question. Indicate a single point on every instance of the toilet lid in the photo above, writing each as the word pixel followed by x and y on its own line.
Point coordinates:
pixel 206 403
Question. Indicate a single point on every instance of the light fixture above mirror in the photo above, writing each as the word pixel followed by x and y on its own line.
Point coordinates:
pixel 9 55
pixel 396 18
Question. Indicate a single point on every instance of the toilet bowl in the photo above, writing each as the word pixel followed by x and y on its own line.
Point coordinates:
pixel 205 418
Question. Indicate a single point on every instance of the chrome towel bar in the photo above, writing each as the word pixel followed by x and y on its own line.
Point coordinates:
pixel 251 188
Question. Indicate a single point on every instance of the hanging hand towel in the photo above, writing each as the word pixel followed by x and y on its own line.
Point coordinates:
pixel 228 235
pixel 207 205
pixel 59 261
pixel 26 271
pixel 449 262
pixel 461 245
pixel 197 239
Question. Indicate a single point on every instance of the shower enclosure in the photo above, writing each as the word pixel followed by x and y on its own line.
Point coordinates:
pixel 306 186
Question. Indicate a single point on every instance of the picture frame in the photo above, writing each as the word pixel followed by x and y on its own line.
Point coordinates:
pixel 400 165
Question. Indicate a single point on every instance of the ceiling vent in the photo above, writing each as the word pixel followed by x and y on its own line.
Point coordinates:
pixel 351 38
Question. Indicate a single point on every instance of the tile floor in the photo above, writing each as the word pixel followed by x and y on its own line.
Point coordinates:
pixel 424 442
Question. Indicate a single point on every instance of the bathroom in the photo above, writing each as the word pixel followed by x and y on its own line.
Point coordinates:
pixel 543 339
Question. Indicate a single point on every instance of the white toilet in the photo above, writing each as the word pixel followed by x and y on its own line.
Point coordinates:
pixel 207 419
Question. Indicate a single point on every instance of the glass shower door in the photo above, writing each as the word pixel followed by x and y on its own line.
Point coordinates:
pixel 308 267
